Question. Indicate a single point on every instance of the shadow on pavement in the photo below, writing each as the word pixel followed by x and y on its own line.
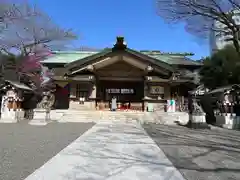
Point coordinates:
pixel 120 156
pixel 199 154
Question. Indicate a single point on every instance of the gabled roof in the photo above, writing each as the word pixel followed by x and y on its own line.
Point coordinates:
pixel 109 51
pixel 71 58
pixel 65 57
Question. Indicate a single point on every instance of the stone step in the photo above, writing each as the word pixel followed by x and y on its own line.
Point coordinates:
pixel 156 117
pixel 38 122
pixel 94 118
pixel 8 120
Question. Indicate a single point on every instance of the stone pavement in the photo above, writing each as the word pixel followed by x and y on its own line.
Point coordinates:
pixel 199 154
pixel 25 148
pixel 113 150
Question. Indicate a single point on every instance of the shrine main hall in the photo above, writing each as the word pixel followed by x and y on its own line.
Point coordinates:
pixel 135 78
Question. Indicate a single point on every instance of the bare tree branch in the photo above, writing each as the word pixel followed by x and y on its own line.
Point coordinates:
pixel 11 11
pixel 32 32
pixel 29 34
pixel 200 16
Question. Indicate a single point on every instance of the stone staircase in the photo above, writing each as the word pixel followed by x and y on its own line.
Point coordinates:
pixel 79 116
pixel 142 117
pixel 79 107
pixel 166 118
pixel 96 116
pixel 122 116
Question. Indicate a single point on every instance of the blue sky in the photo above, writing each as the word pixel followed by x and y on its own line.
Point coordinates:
pixel 98 22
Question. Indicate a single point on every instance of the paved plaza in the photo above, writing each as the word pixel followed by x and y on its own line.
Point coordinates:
pixel 24 148
pixel 200 154
pixel 110 150
pixel 117 150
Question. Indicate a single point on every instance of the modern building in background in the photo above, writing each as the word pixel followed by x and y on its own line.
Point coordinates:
pixel 220 40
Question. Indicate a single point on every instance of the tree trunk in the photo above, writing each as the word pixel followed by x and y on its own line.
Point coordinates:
pixel 236 44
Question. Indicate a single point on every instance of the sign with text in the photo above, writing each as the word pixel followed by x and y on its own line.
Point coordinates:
pixel 156 90
pixel 120 91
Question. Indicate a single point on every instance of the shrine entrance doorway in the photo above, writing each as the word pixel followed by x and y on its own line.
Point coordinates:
pixel 129 94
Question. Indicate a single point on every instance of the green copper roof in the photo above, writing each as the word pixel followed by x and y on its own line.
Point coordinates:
pixel 175 59
pixel 66 57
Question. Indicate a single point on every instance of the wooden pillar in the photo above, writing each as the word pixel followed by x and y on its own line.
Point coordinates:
pixel 146 93
pixel 145 89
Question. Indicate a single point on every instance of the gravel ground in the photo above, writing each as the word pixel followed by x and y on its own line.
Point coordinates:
pixel 24 148
pixel 200 154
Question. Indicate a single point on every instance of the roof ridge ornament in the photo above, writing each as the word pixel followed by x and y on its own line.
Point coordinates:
pixel 120 44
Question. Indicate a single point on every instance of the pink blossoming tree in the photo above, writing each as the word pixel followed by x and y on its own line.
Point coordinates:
pixel 27 36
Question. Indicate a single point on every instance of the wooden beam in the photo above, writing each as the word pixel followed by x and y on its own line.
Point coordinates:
pixel 156 79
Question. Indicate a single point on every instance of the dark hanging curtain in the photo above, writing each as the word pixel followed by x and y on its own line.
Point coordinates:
pixel 62 97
